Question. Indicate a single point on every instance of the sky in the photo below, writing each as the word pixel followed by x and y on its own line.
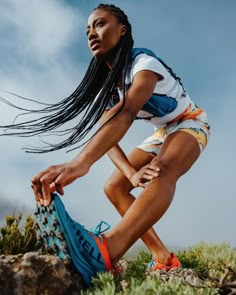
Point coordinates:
pixel 44 55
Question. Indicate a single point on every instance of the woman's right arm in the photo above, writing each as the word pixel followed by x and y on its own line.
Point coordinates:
pixel 120 160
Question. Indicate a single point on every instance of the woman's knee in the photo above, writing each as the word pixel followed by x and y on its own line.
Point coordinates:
pixel 167 168
pixel 108 187
pixel 114 189
pixel 111 189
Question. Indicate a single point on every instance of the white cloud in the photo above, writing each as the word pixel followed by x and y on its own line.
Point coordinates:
pixel 41 29
pixel 36 53
pixel 35 57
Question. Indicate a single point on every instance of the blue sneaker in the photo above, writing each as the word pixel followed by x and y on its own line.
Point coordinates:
pixel 70 240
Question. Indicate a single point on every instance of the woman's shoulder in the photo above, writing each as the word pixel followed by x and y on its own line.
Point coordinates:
pixel 146 59
pixel 146 56
pixel 141 50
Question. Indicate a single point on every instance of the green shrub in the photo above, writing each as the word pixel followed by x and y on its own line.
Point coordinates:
pixel 105 284
pixel 156 286
pixel 209 259
pixel 15 239
pixel 137 267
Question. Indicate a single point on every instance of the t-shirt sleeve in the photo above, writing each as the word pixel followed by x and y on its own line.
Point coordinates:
pixel 147 62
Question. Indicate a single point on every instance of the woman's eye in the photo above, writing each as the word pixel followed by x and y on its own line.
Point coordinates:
pixel 99 24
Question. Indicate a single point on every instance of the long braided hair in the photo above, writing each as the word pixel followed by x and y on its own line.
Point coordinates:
pixel 87 103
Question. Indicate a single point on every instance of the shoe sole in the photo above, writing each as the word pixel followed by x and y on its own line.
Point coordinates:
pixel 52 230
pixel 49 230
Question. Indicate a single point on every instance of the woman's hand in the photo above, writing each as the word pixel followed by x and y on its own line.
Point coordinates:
pixel 144 175
pixel 54 178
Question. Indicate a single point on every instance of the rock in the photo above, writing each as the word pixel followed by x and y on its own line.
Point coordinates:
pixel 187 276
pixel 34 274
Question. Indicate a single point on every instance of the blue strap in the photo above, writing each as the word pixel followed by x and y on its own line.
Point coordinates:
pixel 98 230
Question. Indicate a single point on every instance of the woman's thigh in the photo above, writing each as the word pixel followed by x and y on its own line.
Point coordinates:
pixel 178 153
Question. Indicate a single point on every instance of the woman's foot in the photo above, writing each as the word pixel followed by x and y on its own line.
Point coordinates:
pixel 172 262
pixel 87 249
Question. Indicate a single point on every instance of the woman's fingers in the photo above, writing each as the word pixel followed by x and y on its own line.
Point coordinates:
pixel 149 172
pixel 55 178
pixel 43 185
pixel 59 189
pixel 37 195
pixel 46 192
pixel 141 184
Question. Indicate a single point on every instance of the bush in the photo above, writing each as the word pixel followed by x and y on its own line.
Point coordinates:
pixel 209 259
pixel 16 240
pixel 210 262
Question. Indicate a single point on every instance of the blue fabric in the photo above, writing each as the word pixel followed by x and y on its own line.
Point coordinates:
pixel 82 247
pixel 159 104
pixel 137 51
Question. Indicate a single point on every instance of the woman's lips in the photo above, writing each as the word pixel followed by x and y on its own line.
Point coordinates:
pixel 94 44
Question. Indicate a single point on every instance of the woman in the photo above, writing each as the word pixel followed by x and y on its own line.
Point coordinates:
pixel 121 84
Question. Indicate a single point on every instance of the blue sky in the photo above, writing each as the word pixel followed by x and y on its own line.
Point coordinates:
pixel 44 54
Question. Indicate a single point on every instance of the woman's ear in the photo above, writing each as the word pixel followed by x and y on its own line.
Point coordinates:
pixel 123 30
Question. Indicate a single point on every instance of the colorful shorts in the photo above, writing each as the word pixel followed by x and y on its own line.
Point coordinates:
pixel 193 121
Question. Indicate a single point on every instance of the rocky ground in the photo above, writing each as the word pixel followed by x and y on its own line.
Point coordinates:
pixel 35 274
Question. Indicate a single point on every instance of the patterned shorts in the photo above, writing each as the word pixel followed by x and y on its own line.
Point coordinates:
pixel 193 121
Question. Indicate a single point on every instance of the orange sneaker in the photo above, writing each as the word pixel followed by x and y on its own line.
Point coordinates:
pixel 156 265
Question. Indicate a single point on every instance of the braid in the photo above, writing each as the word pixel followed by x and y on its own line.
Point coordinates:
pixel 89 100
pixel 118 13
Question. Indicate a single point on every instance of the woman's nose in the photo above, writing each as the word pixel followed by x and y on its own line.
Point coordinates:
pixel 92 34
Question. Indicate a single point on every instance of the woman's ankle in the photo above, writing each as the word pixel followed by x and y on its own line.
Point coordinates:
pixel 164 257
pixel 115 247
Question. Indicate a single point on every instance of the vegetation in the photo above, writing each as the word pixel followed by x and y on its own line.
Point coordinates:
pixel 15 239
pixel 213 265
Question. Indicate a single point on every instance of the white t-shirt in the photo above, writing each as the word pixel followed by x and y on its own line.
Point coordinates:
pixel 169 99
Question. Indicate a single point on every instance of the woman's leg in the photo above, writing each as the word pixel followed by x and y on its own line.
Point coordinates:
pixel 118 189
pixel 178 153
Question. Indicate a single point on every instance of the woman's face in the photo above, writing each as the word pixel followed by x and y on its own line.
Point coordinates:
pixel 104 33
